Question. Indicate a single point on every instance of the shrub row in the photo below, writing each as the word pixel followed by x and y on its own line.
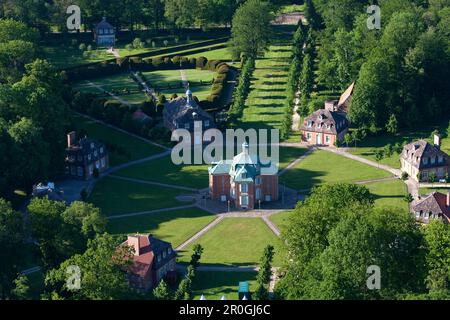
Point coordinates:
pixel 293 80
pixel 241 92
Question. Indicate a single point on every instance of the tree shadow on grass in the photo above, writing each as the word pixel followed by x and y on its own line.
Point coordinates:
pixel 300 179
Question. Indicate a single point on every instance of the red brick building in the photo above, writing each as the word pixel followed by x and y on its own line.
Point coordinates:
pixel 324 127
pixel 153 260
pixel 244 181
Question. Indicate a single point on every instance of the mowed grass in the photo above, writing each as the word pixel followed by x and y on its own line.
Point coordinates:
pixel 326 167
pixel 116 197
pixel 290 154
pixel 215 284
pixel 169 82
pixel 266 102
pixel 427 191
pixel 126 148
pixel 389 194
pixel 236 241
pixel 173 226
pixel 165 171
pixel 281 219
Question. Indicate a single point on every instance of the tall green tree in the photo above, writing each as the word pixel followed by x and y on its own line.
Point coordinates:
pixel 264 274
pixel 102 268
pixel 251 31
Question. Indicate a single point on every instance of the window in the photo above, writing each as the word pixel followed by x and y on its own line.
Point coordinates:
pixel 169 251
pixel 186 125
pixel 425 160
pixel 159 258
pixel 223 198
pixel 433 160
pixel 92 145
pixel 441 159
pixel 97 164
pixel 309 136
pixel 91 169
pixel 103 162
pixel 164 254
pixel 80 157
pixel 244 200
pixel 95 153
pixel 89 157
pixel 100 31
pixel 258 194
pixel 327 139
pixel 310 124
pixel 80 171
pixel 244 188
pixel 267 198
pixel 206 123
pixel 101 150
pixel 258 180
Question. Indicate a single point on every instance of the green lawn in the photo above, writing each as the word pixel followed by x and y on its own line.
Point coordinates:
pixel 214 54
pixel 199 81
pixel 116 197
pixel 427 191
pixel 289 154
pixel 163 170
pixel 172 226
pixel 236 241
pixel 389 194
pixel 266 102
pixel 126 148
pixel 326 167
pixel 64 56
pixel 281 219
pixel 214 284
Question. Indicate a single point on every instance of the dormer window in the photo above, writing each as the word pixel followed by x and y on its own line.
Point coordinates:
pixel 206 123
pixel 310 124
pixel 433 160
pixel 440 159
pixel 425 160
pixel 159 258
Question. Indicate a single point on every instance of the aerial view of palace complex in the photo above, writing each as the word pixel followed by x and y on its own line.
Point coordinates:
pixel 114 121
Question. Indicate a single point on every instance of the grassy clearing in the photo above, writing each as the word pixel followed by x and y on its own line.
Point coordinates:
pixel 127 148
pixel 389 194
pixel 326 167
pixel 214 284
pixel 173 226
pixel 163 170
pixel 244 247
pixel 116 196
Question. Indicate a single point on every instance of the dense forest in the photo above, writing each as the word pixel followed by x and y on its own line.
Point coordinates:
pixel 400 70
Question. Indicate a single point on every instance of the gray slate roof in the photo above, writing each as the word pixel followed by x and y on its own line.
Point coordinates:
pixel 329 122
pixel 414 152
pixel 180 111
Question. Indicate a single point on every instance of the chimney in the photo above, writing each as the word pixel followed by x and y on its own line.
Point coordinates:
pixel 134 241
pixel 437 140
pixel 71 136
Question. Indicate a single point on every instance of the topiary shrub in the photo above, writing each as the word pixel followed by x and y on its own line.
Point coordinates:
pixel 201 62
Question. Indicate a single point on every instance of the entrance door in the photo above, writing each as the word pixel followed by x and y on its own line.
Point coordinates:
pixel 318 138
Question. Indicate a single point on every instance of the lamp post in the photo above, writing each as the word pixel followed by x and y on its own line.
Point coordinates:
pixel 228 205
